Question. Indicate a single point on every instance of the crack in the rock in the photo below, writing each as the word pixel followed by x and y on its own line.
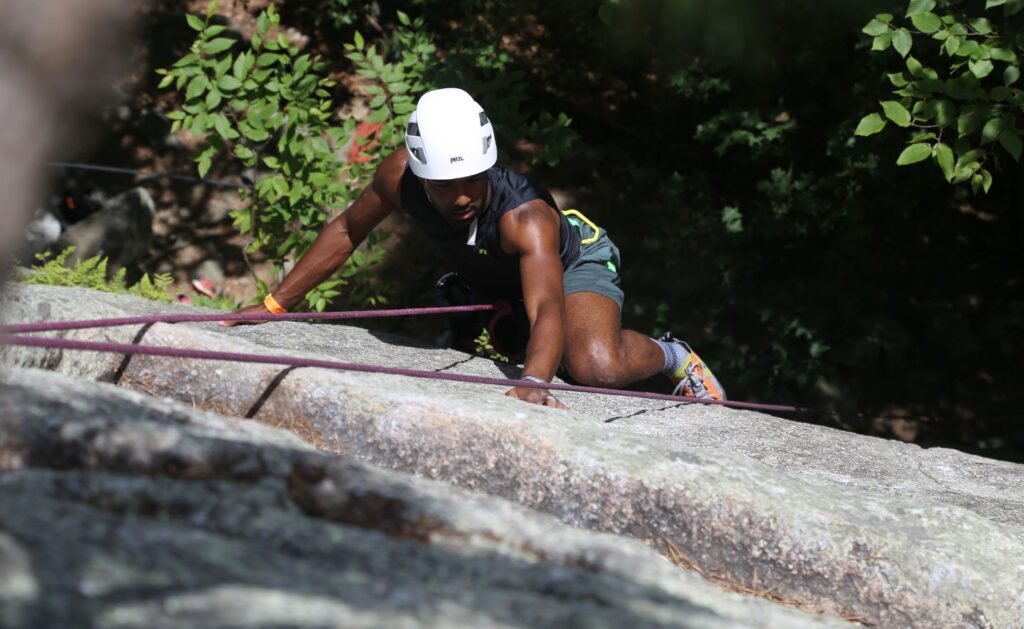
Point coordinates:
pixel 920 468
pixel 267 392
pixel 119 372
pixel 455 364
pixel 642 411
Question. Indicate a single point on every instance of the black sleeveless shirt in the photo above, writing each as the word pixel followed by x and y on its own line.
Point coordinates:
pixel 484 265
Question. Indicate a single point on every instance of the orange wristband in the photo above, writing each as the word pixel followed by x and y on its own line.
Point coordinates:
pixel 271 304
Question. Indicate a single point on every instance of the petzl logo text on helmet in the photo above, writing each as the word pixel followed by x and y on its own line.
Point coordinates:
pixel 455 159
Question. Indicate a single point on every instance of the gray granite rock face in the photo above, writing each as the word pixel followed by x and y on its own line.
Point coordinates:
pixel 888 532
pixel 125 511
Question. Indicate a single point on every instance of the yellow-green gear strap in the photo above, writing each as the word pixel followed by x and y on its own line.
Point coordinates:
pixel 597 230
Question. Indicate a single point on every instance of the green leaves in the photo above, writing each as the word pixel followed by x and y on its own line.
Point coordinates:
pixel 243 63
pixel 902 41
pixel 204 162
pixel 896 112
pixel 956 89
pixel 92 273
pixel 228 83
pixel 915 68
pixel 213 99
pixel 898 79
pixel 221 66
pixel 882 42
pixel 967 48
pixel 269 107
pixel 732 219
pixel 985 181
pixel 943 155
pixel 990 132
pixel 256 134
pixel 875 27
pixel 223 127
pixel 953 44
pixel 196 87
pixel 1003 54
pixel 218 45
pixel 926 22
pixel 920 6
pixel 244 153
pixel 982 26
pixel 982 68
pixel 1010 140
pixel 913 154
pixel 870 125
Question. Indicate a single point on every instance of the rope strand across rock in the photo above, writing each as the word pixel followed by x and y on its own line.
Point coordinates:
pixel 59 326
pixel 175 352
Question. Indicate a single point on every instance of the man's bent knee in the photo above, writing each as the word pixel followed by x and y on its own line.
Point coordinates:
pixel 595 366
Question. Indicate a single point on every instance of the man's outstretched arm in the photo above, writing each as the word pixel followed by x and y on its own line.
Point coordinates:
pixel 340 237
pixel 532 231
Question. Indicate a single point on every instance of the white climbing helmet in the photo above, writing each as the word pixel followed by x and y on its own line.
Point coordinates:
pixel 449 136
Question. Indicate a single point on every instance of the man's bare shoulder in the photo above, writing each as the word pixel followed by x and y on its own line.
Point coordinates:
pixel 388 179
pixel 534 212
pixel 531 223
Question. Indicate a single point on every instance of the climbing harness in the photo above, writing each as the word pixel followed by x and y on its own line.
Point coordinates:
pixel 12 334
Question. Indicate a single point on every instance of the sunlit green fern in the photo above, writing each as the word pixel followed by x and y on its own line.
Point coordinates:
pixel 92 273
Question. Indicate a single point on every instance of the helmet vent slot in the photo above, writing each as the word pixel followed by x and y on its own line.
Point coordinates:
pixel 417 152
pixel 412 129
pixel 483 119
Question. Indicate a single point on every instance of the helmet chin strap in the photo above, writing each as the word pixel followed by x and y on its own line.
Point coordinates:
pixel 471 240
pixel 426 191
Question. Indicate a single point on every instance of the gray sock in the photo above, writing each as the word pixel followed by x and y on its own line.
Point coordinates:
pixel 675 354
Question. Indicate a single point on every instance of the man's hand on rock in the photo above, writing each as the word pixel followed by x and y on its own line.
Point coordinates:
pixel 536 396
pixel 259 309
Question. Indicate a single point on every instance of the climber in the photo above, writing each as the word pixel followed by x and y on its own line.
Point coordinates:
pixel 506 240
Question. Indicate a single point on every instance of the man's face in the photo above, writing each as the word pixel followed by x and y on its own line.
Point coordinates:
pixel 459 200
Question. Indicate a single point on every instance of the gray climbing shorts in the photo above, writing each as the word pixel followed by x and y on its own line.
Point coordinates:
pixel 596 270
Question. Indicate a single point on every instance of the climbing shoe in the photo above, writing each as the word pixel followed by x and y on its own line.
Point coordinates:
pixel 692 377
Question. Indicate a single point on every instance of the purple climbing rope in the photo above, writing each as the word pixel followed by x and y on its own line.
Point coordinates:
pixel 175 352
pixel 56 326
